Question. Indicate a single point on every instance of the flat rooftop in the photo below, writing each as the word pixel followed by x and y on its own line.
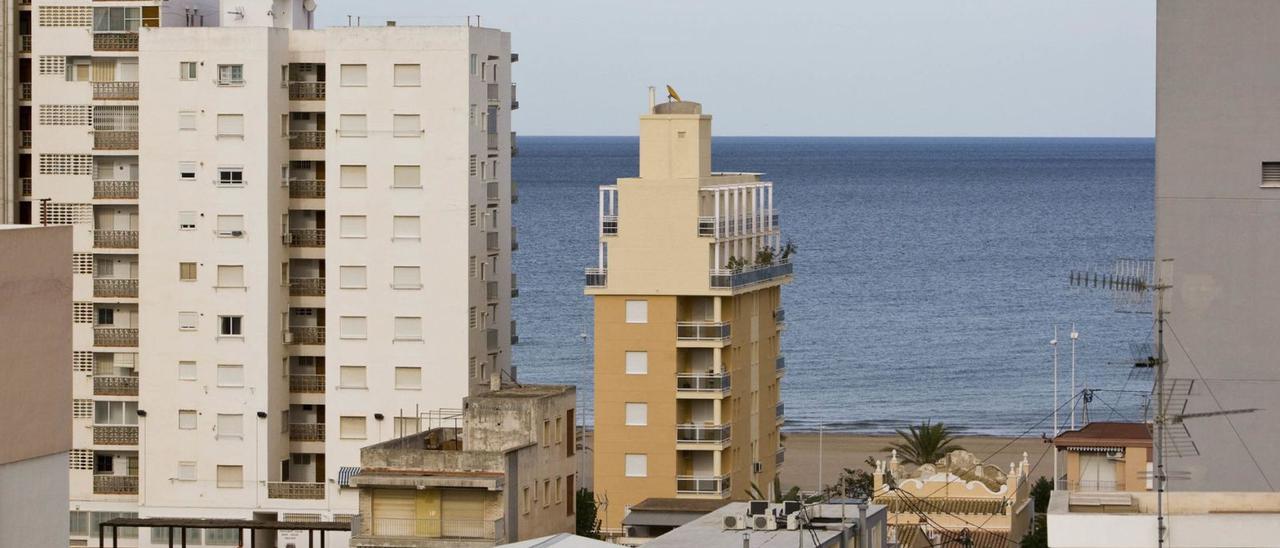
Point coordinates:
pixel 708 531
pixel 1184 503
pixel 525 391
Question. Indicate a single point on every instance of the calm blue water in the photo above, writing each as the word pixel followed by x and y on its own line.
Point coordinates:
pixel 928 277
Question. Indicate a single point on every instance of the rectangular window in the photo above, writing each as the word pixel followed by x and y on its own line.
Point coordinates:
pixel 558 492
pixel 524 493
pixel 230 176
pixel 353 277
pixel 352 376
pixel 230 375
pixel 409 378
pixel 186 370
pixel 230 226
pixel 186 419
pixel 406 277
pixel 408 328
pixel 353 176
pixel 187 70
pixel 186 121
pixel 230 275
pixel 408 75
pixel 473 64
pixel 230 426
pixel 125 19
pixel 407 177
pixel 187 220
pixel 231 75
pixel 187 321
pixel 637 465
pixel 187 272
pixel 352 428
pixel 229 326
pixel 353 327
pixel 354 75
pixel 546 493
pixel 637 363
pixel 353 125
pixel 118 413
pixel 187 171
pixel 186 471
pixel 231 125
pixel 406 125
pixel 352 226
pixel 406 226
pixel 637 311
pixel 637 414
pixel 230 476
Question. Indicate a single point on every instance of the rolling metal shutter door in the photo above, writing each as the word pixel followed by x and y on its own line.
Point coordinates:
pixel 393 512
pixel 463 513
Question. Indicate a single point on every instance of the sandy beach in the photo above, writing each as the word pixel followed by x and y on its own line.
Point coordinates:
pixel 851 451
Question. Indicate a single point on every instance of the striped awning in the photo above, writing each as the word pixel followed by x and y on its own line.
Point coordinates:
pixel 345 473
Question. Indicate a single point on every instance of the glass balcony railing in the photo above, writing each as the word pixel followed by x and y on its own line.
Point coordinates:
pixel 702 382
pixel 714 435
pixel 702 331
pixel 702 485
pixel 743 277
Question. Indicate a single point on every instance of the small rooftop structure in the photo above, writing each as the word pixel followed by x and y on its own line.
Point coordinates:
pixel 653 517
pixel 824 525
pixel 1106 435
pixel 1105 456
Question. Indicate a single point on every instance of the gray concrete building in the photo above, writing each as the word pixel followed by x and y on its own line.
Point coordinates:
pixel 1217 219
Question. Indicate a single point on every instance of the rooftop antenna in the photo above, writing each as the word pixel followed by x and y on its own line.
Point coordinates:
pixel 672 95
pixel 1133 284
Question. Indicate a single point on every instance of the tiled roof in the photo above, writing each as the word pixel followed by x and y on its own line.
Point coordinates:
pixel 1106 434
pixel 959 506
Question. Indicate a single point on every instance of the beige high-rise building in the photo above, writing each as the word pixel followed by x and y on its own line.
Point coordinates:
pixel 687 321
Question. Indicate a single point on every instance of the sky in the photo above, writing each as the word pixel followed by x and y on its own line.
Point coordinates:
pixel 1017 68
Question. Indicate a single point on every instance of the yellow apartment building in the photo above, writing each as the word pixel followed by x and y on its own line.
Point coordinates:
pixel 688 313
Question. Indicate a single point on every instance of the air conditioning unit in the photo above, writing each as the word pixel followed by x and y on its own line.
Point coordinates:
pixel 793 521
pixel 764 523
pixel 757 467
pixel 1115 455
pixel 288 337
pixel 735 522
pixel 757 507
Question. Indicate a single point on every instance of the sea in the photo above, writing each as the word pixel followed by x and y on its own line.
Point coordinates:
pixel 930 273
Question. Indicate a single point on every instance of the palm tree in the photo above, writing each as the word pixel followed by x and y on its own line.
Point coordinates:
pixel 924 444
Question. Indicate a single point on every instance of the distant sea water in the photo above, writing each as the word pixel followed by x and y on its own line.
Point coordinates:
pixel 928 276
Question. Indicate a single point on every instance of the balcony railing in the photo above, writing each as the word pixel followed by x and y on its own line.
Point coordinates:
pixel 609 225
pixel 306 91
pixel 115 91
pixel 115 190
pixel 115 239
pixel 306 431
pixel 24 43
pixel 115 140
pixel 115 336
pixel 305 237
pixel 115 287
pixel 115 434
pixel 597 277
pixel 311 334
pixel 306 188
pixel 779 315
pixel 702 485
pixel 730 227
pixel 515 196
pixel 1105 486
pixel 780 364
pixel 24 91
pixel 702 331
pixel 306 287
pixel 115 385
pixel 515 150
pixel 115 485
pixel 491 191
pixel 306 140
pixel 692 433
pixel 435 528
pixel 25 183
pixel 515 289
pixel 25 138
pixel 706 226
pixel 306 384
pixel 779 412
pixel 780 456
pixel 515 104
pixel 742 277
pixel 115 41
pixel 702 382
pixel 515 242
pixel 296 490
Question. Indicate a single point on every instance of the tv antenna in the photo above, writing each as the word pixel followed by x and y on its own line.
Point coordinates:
pixel 1134 284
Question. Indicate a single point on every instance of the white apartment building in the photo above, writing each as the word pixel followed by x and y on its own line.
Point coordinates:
pixel 288 243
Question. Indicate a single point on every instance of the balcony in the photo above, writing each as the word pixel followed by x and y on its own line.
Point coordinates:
pixel 515 150
pixel 24 91
pixel 779 316
pixel 597 277
pixel 25 183
pixel 515 196
pixel 702 331
pixel 491 140
pixel 115 190
pixel 460 529
pixel 702 485
pixel 743 277
pixel 306 384
pixel 515 289
pixel 306 140
pixel 115 485
pixel 115 434
pixel 780 456
pixel 491 242
pixel 313 334
pixel 295 490
pixel 609 225
pixel 491 192
pixel 780 365
pixel 491 291
pixel 706 383
pixel 116 337
pixel 779 414
pixel 25 138
pixel 115 140
pixel 306 287
pixel 515 242
pixel 306 91
pixel 493 93
pixel 514 103
pixel 108 288
pixel 115 91
pixel 729 227
pixel 115 239
pixel 306 431
pixel 24 43
pixel 305 237
pixel 104 385
pixel 717 435
pixel 115 41
pixel 306 189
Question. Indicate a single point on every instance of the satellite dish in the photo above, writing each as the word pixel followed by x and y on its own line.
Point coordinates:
pixel 671 93
pixel 309 5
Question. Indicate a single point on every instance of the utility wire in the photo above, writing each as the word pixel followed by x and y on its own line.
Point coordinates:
pixel 1209 389
pixel 939 526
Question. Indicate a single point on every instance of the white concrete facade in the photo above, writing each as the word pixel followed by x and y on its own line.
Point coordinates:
pixel 260 287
